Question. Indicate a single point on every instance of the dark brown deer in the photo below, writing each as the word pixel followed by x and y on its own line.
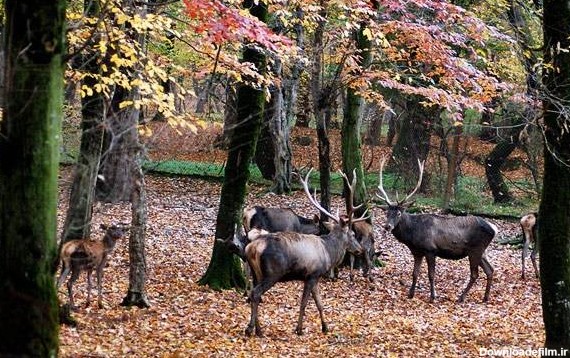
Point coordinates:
pixel 431 236
pixel 86 255
pixel 278 219
pixel 286 256
pixel 528 226
pixel 363 232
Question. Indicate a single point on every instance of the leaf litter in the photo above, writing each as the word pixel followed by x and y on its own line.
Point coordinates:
pixel 365 319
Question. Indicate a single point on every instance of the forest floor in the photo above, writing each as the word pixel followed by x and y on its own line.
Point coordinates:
pixel 365 319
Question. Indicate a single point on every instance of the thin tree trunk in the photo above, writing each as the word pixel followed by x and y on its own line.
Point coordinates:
pixel 452 167
pixel 136 294
pixel 322 110
pixel 29 142
pixel 291 83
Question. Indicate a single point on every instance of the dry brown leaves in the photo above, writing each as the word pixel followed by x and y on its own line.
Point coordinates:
pixel 366 319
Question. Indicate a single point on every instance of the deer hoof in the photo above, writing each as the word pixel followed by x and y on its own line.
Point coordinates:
pixel 325 328
pixel 299 331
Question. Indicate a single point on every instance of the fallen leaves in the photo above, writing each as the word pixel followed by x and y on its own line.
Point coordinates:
pixel 365 319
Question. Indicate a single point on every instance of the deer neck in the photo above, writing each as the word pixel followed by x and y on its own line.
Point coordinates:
pixel 335 245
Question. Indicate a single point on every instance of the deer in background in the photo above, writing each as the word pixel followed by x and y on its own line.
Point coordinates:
pixel 431 236
pixel 363 232
pixel 86 255
pixel 286 256
pixel 278 219
pixel 528 226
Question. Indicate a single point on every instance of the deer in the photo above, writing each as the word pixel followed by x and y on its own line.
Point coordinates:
pixel 528 226
pixel 286 256
pixel 278 219
pixel 85 255
pixel 432 235
pixel 363 232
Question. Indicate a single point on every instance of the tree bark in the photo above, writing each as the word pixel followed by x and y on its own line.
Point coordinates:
pixel 136 294
pixel 80 209
pixel 321 97
pixel 351 126
pixel 554 212
pixel 29 142
pixel 493 164
pixel 224 270
pixel 413 141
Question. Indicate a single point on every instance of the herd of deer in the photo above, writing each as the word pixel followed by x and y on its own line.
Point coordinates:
pixel 280 246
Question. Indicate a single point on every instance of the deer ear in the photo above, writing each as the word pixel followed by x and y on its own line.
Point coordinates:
pixel 316 218
pixel 407 205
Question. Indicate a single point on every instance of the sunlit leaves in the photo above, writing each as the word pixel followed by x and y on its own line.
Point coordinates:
pixel 122 60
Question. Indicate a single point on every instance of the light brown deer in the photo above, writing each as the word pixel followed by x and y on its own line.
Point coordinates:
pixel 86 255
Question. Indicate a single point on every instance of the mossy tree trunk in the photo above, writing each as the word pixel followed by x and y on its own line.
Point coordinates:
pixel 224 270
pixel 554 212
pixel 29 153
pixel 351 145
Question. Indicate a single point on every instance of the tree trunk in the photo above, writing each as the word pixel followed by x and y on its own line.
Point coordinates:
pixel 29 142
pixel 413 141
pixel 351 125
pixel 114 183
pixel 273 153
pixel 322 109
pixel 291 83
pixel 80 209
pixel 374 131
pixel 136 294
pixel 493 164
pixel 452 167
pixel 224 270
pixel 554 212
pixel 122 178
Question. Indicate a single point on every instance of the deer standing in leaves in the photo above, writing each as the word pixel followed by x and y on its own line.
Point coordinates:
pixel 286 256
pixel 431 236
pixel 86 255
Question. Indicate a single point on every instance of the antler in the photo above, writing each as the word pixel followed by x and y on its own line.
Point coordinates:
pixel 421 165
pixel 385 197
pixel 313 199
pixel 350 208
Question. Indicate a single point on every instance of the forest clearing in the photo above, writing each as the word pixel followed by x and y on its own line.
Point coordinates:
pixel 366 319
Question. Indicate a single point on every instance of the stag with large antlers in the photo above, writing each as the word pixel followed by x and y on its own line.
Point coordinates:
pixel 286 256
pixel 431 236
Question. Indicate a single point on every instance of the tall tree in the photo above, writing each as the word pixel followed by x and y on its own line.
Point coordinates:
pixel 29 153
pixel 322 96
pixel 554 212
pixel 120 173
pixel 224 270
pixel 352 121
pixel 79 213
